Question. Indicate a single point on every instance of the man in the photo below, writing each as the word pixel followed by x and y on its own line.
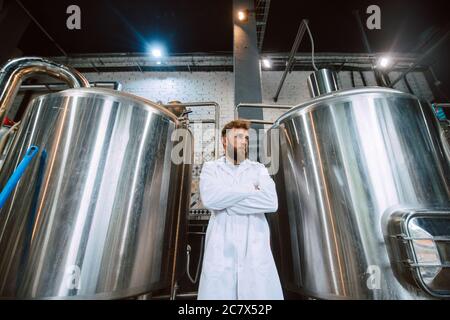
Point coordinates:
pixel 238 262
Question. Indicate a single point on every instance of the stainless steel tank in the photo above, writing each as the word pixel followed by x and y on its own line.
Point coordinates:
pixel 100 213
pixel 364 198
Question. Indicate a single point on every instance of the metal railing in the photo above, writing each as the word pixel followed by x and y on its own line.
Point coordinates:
pixel 259 106
pixel 215 120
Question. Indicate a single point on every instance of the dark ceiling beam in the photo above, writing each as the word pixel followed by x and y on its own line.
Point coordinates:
pixel 302 62
pixel 41 27
pixel 261 14
pixel 13 24
pixel 224 68
pixel 436 45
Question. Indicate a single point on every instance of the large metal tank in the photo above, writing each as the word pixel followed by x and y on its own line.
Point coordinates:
pixel 364 198
pixel 100 212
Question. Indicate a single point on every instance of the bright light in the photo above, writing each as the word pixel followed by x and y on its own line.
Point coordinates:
pixel 156 52
pixel 267 63
pixel 384 62
pixel 158 62
pixel 242 15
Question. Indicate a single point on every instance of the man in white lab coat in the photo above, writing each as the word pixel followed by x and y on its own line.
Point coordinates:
pixel 238 262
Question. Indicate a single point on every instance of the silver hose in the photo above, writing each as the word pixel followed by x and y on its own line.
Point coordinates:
pixel 188 262
pixel 312 46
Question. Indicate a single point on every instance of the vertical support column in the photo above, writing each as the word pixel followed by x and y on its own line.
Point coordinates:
pixel 247 68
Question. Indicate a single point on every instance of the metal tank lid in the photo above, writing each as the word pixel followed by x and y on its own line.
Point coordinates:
pixel 307 106
pixel 119 95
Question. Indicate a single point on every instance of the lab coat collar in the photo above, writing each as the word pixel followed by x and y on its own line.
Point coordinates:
pixel 228 166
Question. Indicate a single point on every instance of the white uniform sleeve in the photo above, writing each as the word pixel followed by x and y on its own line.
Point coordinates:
pixel 264 200
pixel 216 196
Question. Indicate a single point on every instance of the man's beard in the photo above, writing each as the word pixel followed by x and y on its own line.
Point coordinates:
pixel 238 155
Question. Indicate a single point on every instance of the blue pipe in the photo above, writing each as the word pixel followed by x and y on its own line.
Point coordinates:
pixel 440 114
pixel 17 174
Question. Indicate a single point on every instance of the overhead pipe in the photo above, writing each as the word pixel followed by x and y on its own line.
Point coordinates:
pixel 15 71
pixel 259 106
pixel 215 121
pixel 61 86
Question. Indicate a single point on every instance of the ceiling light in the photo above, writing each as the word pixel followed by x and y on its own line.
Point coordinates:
pixel 384 62
pixel 267 63
pixel 156 52
pixel 242 15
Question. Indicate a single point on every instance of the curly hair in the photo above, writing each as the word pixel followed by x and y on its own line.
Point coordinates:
pixel 236 124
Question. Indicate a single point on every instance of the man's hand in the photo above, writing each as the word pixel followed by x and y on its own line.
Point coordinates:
pixel 264 198
pixel 216 196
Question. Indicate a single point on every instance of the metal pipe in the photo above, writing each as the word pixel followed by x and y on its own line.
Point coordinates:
pixel 291 59
pixel 178 295
pixel 61 86
pixel 259 106
pixel 408 86
pixel 363 78
pixel 203 121
pixel 16 70
pixel 256 121
pixel 173 294
pixel 322 82
pixel 216 119
pixel 418 61
pixel 106 84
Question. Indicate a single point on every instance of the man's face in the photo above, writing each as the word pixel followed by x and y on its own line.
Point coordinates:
pixel 235 144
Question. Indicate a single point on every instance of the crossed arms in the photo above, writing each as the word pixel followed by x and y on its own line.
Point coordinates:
pixel 240 199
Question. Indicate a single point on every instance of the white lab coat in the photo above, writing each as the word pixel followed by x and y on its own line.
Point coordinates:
pixel 238 262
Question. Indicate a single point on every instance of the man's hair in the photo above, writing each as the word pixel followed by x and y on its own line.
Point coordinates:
pixel 236 124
